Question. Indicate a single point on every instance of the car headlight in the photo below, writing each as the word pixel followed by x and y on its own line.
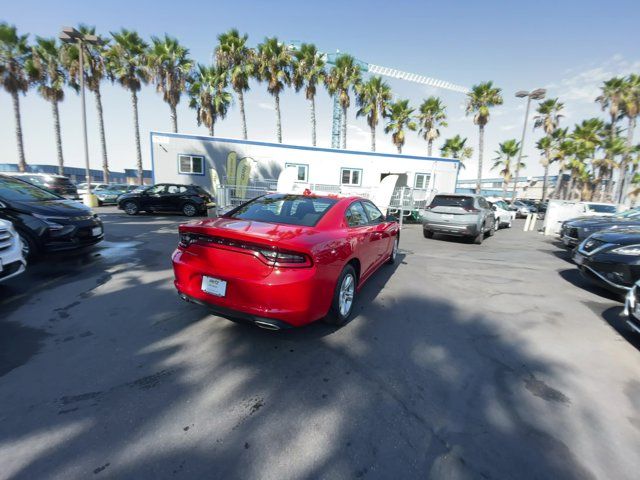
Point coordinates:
pixel 627 250
pixel 51 221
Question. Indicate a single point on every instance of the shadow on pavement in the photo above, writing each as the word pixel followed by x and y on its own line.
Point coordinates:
pixel 410 388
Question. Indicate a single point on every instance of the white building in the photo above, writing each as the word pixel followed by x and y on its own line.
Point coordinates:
pixel 211 161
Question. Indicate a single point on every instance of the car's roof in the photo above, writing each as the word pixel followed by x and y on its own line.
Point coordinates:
pixel 474 195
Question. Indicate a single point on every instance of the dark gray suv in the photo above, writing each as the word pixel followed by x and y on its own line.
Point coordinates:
pixel 462 215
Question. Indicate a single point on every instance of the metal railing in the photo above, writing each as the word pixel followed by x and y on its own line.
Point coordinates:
pixel 405 202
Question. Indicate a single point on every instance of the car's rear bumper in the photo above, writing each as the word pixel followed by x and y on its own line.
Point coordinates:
pixel 237 315
pixel 291 296
pixel 462 230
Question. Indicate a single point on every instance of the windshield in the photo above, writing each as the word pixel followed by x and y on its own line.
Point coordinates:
pixel 502 204
pixel 594 207
pixel 287 209
pixel 634 212
pixel 451 201
pixel 12 189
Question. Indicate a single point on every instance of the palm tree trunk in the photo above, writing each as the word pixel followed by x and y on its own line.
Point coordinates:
pixel 136 131
pixel 243 118
pixel 373 137
pixel 103 142
pixel 399 148
pixel 22 163
pixel 545 180
pixel 174 118
pixel 429 147
pixel 480 152
pixel 505 185
pixel 211 128
pixel 56 128
pixel 625 161
pixel 278 119
pixel 344 127
pixel 312 102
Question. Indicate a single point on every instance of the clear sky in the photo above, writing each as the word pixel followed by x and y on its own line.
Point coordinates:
pixel 568 47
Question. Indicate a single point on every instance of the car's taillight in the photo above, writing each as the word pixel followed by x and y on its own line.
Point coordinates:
pixel 473 210
pixel 272 256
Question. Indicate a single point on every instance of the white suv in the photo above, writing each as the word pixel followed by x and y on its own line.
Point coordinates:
pixel 12 260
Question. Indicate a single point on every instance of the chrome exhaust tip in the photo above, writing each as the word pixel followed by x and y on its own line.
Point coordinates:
pixel 266 326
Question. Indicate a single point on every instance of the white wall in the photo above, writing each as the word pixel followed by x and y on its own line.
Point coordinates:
pixel 268 160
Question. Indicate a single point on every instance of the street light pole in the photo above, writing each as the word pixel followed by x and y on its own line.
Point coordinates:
pixel 72 36
pixel 537 94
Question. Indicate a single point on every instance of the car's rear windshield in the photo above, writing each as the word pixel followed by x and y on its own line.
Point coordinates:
pixel 452 201
pixel 594 207
pixel 287 209
pixel 12 189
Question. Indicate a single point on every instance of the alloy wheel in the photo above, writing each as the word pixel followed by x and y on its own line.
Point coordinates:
pixel 189 210
pixel 347 289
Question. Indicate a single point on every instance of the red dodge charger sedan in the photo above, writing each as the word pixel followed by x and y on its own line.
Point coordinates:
pixel 284 260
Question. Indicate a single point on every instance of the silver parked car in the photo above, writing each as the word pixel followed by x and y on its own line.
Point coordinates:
pixel 462 215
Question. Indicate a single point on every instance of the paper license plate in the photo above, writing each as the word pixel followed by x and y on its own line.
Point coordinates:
pixel 96 231
pixel 214 286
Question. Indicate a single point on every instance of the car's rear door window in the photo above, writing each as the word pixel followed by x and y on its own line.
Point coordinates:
pixel 356 216
pixel 375 215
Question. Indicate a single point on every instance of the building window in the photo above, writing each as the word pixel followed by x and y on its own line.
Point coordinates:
pixel 351 176
pixel 421 181
pixel 191 164
pixel 303 171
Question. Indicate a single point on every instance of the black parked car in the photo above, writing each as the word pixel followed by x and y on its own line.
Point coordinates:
pixel 575 230
pixel 611 258
pixel 56 184
pixel 189 200
pixel 47 222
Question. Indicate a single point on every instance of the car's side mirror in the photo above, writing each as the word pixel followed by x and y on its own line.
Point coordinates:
pixel 391 218
pixel 494 208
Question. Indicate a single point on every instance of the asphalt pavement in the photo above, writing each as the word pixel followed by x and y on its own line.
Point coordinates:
pixel 463 361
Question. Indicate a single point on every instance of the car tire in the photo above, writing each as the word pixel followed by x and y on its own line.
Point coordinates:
pixel 427 233
pixel 394 251
pixel 189 210
pixel 131 208
pixel 479 238
pixel 341 307
pixel 491 231
pixel 30 248
pixel 100 203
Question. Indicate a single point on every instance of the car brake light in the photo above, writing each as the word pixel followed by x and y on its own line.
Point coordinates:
pixel 271 256
pixel 475 210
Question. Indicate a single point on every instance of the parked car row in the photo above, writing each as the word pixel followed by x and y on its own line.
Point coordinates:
pixel 465 215
pixel 606 250
pixel 36 221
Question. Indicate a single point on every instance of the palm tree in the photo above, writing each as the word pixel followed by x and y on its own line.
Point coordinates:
pixel 46 70
pixel 562 153
pixel 507 151
pixel 399 119
pixel 308 71
pixel 170 67
pixel 273 65
pixel 611 98
pixel 479 100
pixel 127 64
pixel 343 76
pixel 209 95
pixel 548 119
pixel 233 54
pixel 373 98
pixel 455 147
pixel 94 72
pixel 14 55
pixel 631 110
pixel 432 115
